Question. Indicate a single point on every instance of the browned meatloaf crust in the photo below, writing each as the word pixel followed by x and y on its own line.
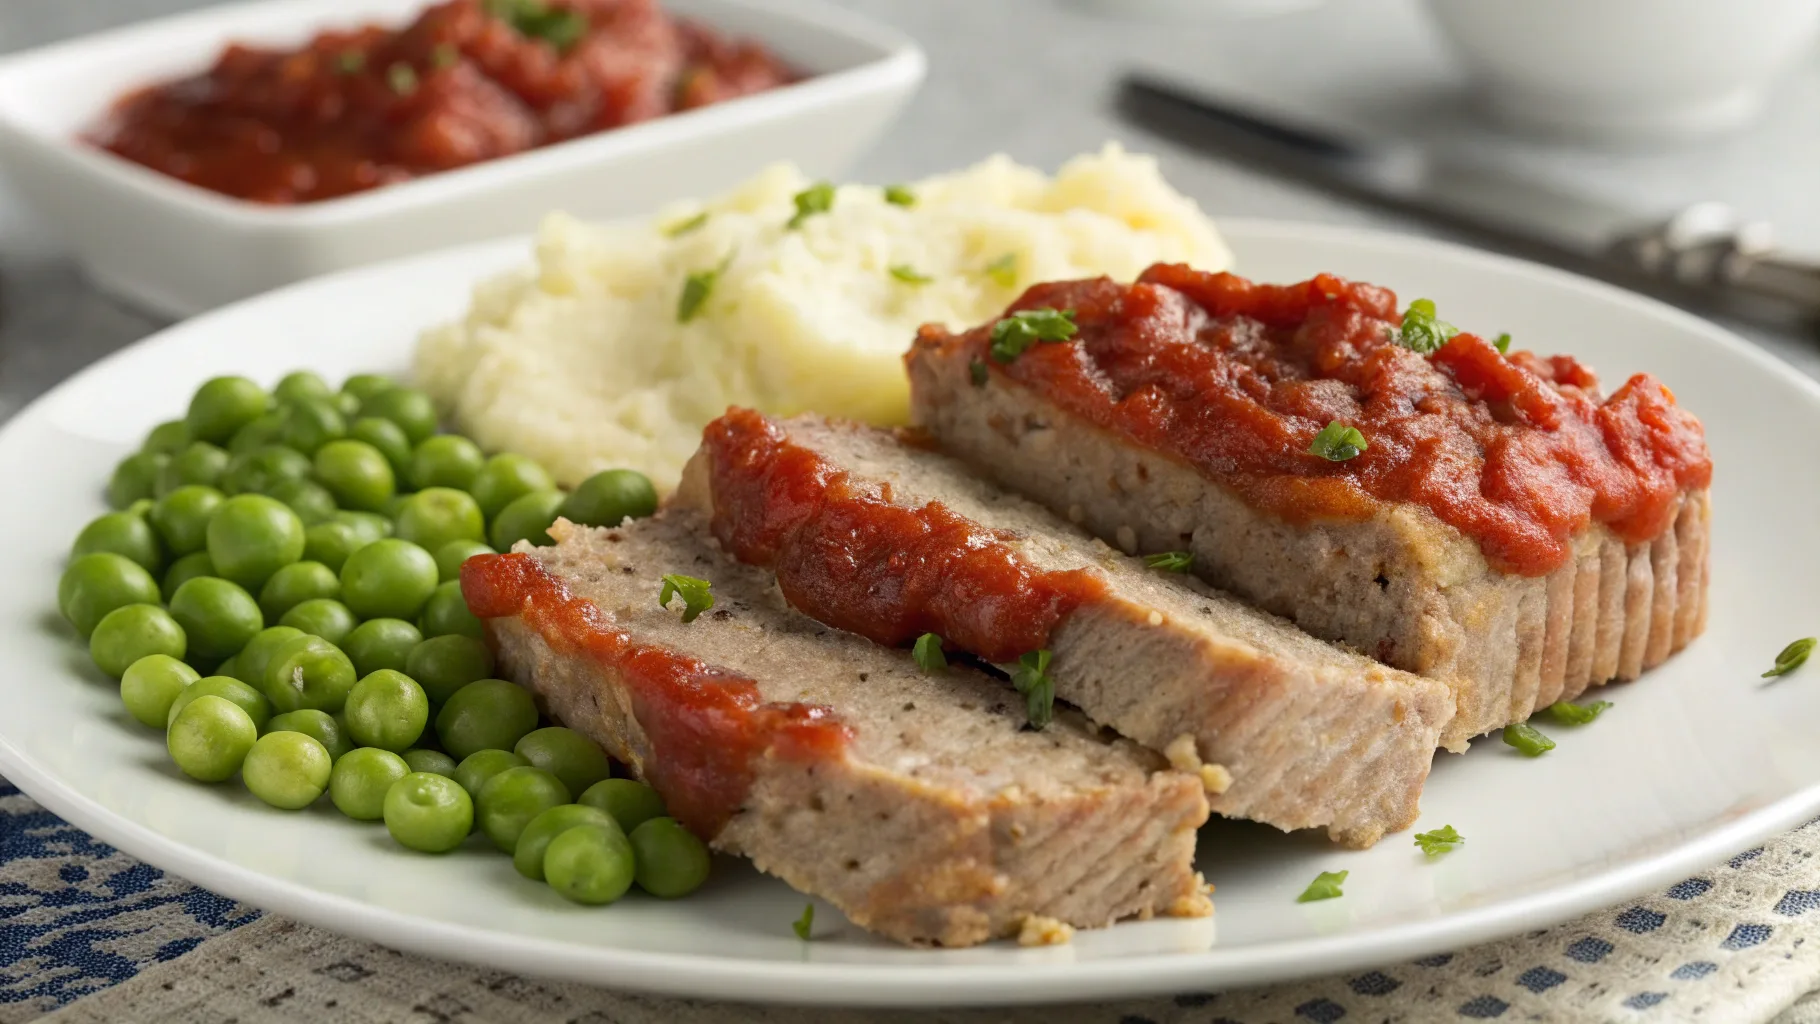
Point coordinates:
pixel 1401 585
pixel 941 820
pixel 1294 732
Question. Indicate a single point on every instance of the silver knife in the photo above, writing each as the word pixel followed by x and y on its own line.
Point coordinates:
pixel 1704 251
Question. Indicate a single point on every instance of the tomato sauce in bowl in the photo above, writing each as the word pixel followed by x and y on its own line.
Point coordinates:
pixel 466 82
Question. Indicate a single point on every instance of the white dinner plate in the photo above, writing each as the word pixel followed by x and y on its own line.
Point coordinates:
pixel 1697 761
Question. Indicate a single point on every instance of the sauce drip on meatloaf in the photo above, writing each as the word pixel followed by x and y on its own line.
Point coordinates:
pixel 1519 452
pixel 706 726
pixel 886 572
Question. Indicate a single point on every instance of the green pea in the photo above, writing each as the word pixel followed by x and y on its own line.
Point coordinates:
pixel 217 616
pixel 151 685
pixel 96 584
pixel 303 386
pixel 368 526
pixel 356 473
pixel 348 405
pixel 486 714
pixel 258 709
pixel 381 643
pixel 509 801
pixel 630 802
pixel 446 460
pixel 395 506
pixel 200 463
pixel 450 556
pixel 131 632
pixel 476 768
pixel 123 533
pixel 330 544
pixel 264 468
pixel 443 665
pixel 435 762
pixel 387 709
pixel 389 438
pixel 135 478
pixel 210 738
pixel 566 754
pixel 263 432
pixel 184 570
pixel 360 779
pixel 222 406
pixel 167 438
pixel 447 613
pixel 434 517
pixel 310 500
pixel 504 479
pixel 365 385
pixel 230 668
pixel 410 408
pixel 307 426
pixel 288 770
pixel 610 498
pixel 671 861
pixel 388 579
pixel 308 672
pixel 256 657
pixel 324 617
pixel 527 855
pixel 591 864
pixel 527 518
pixel 182 517
pixel 320 726
pixel 295 584
pixel 428 813
pixel 251 536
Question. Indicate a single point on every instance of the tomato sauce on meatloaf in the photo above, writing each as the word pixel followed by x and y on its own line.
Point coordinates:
pixel 1519 452
pixel 468 81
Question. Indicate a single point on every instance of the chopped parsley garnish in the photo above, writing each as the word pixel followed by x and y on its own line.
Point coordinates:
pixel 1569 713
pixel 350 62
pixel 1017 332
pixel 1171 561
pixel 1003 271
pixel 1031 678
pixel 445 55
pixel 817 198
pixel 1792 657
pixel 1421 331
pixel 681 228
pixel 802 924
pixel 1326 886
pixel 1439 841
pixel 1338 442
pixel 928 654
pixel 908 274
pixel 696 289
pixel 1503 343
pixel 561 27
pixel 1527 740
pixel 977 370
pixel 900 195
pixel 402 78
pixel 695 594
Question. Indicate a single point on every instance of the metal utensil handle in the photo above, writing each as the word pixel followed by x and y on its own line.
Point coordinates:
pixel 1707 246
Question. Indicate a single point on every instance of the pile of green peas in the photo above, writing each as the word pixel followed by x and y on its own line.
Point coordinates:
pixel 278 589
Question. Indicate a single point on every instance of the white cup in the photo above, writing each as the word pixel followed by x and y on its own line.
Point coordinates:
pixel 1627 72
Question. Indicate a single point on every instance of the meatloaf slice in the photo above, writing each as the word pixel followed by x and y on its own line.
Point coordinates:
pixel 919 806
pixel 1285 729
pixel 1388 577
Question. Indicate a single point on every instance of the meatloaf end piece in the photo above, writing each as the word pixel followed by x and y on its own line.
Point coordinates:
pixel 1284 728
pixel 1402 586
pixel 919 806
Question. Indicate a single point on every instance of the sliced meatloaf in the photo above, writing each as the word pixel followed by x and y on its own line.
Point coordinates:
pixel 1505 528
pixel 888 540
pixel 919 806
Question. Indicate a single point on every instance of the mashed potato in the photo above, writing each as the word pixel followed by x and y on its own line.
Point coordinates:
pixel 583 362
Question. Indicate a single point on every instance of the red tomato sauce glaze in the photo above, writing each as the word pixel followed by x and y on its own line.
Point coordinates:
pixel 468 81
pixel 845 554
pixel 1519 452
pixel 707 727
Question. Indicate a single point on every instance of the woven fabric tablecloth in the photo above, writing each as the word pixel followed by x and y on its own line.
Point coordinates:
pixel 90 936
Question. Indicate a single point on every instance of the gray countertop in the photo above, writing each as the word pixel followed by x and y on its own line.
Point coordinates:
pixel 1033 78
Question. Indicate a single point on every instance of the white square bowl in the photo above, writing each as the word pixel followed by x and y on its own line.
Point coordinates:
pixel 179 249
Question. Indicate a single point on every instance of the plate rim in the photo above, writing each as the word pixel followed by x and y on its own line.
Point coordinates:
pixel 908 985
